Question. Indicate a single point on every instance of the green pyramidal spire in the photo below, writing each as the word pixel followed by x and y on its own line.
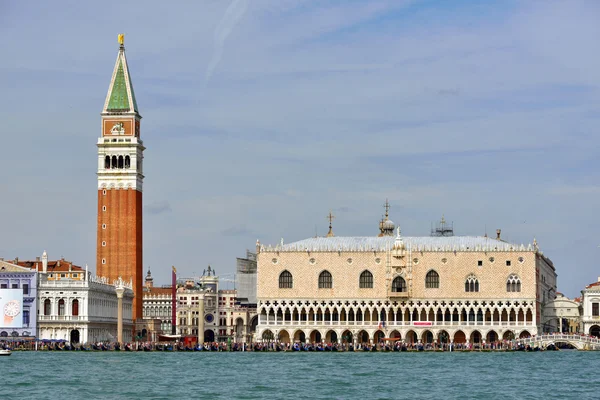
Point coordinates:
pixel 120 98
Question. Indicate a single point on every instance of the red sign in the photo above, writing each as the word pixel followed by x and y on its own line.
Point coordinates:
pixel 422 323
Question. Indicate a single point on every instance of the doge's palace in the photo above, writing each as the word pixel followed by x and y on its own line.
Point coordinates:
pixel 441 288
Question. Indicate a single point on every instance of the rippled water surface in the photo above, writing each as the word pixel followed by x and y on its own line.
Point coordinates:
pixel 113 375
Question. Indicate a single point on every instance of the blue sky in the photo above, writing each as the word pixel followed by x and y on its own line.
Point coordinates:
pixel 261 116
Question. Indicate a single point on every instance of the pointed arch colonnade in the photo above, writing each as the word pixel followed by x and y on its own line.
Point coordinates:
pixel 427 321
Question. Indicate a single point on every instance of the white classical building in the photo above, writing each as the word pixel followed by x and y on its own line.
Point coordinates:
pixel 79 307
pixel 562 315
pixel 590 304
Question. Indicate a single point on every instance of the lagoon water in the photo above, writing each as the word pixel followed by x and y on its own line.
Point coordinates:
pixel 124 375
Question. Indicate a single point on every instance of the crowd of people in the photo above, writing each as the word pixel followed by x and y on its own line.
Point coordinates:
pixel 265 346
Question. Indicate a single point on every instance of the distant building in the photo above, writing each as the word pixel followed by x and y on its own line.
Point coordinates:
pixel 204 312
pixel 441 288
pixel 561 315
pixel 245 279
pixel 156 307
pixel 590 309
pixel 14 277
pixel 76 306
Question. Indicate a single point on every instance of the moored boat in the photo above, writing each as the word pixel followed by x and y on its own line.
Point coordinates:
pixel 5 352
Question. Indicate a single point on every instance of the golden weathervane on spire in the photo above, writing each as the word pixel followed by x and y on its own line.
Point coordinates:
pixel 121 39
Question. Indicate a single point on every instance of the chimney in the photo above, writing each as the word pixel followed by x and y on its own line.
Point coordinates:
pixel 16 260
pixel 498 231
pixel 37 259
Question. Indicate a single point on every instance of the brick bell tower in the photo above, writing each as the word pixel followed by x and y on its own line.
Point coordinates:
pixel 120 178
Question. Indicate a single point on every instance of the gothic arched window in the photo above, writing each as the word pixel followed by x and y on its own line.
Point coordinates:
pixel 432 280
pixel 61 307
pixel 75 307
pixel 472 284
pixel 285 280
pixel 398 284
pixel 366 280
pixel 127 162
pixel 325 280
pixel 513 284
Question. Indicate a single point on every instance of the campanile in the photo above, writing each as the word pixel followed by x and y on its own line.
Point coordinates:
pixel 120 178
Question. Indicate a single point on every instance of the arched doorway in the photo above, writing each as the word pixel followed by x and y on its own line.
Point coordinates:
pixel 239 328
pixel 459 337
pixel 378 336
pixel 508 335
pixel 427 337
pixel 411 337
pixel 253 324
pixel 595 331
pixel 331 337
pixel 395 334
pixel 144 334
pixel 475 337
pixel 299 336
pixel 74 336
pixel 284 336
pixel 444 337
pixel 347 337
pixel 524 334
pixel 209 335
pixel 363 337
pixel 315 336
pixel 492 336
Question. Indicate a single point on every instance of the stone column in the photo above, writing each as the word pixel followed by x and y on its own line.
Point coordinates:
pixel 120 290
pixel 200 320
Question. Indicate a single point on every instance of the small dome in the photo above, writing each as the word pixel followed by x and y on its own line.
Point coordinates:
pixel 388 224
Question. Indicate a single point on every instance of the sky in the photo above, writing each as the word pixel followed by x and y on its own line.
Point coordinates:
pixel 259 117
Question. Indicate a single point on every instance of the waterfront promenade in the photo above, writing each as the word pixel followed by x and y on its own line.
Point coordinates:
pixel 534 343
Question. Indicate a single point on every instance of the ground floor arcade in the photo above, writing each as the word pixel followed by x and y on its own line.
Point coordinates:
pixel 375 334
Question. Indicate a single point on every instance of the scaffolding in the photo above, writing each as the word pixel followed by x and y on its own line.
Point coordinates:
pixel 442 228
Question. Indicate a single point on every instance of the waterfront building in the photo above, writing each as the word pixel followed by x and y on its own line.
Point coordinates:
pixel 590 309
pixel 440 288
pixel 204 311
pixel 120 180
pixel 77 306
pixel 12 276
pixel 156 309
pixel 562 315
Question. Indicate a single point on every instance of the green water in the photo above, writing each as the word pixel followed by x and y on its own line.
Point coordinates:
pixel 112 375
